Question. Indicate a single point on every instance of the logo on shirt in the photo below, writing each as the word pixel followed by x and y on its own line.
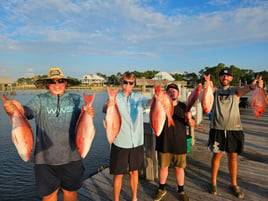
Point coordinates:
pixel 62 110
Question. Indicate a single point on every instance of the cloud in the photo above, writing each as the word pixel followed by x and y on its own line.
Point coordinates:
pixel 113 28
pixel 219 2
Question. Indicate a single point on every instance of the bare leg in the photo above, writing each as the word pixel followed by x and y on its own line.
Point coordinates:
pixel 69 195
pixel 232 165
pixel 51 197
pixel 163 175
pixel 117 186
pixel 180 176
pixel 215 165
pixel 134 180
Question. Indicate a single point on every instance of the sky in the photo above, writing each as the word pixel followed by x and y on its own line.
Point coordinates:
pixel 111 36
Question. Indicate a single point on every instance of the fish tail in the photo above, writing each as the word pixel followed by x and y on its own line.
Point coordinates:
pixel 112 92
pixel 207 77
pixel 4 97
pixel 88 98
pixel 157 89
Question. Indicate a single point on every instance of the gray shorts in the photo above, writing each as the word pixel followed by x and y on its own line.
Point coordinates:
pixel 221 141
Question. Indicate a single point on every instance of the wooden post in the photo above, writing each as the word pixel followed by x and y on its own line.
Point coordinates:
pixel 151 162
pixel 143 87
pixel 191 132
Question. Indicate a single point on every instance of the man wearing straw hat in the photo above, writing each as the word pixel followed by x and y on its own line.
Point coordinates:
pixel 58 163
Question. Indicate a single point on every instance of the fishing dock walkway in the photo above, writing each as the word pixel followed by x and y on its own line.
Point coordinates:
pixel 252 170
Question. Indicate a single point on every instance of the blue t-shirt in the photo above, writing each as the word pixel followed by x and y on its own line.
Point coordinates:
pixel 131 110
pixel 55 136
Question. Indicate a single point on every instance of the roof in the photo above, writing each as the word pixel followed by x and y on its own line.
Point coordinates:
pixel 6 80
pixel 163 76
pixel 93 77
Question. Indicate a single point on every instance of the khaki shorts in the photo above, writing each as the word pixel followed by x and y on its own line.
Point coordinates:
pixel 179 160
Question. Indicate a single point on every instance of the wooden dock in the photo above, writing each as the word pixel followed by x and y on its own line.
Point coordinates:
pixel 252 170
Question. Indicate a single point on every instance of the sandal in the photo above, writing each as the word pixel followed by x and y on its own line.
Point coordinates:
pixel 213 189
pixel 236 190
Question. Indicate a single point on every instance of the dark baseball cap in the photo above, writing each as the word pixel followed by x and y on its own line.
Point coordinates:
pixel 174 86
pixel 226 71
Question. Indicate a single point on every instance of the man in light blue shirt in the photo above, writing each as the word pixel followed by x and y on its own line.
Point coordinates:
pixel 127 153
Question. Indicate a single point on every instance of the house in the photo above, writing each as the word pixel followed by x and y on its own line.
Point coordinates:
pixel 163 76
pixel 92 80
pixel 6 84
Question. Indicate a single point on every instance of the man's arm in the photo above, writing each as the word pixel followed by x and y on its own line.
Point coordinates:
pixel 189 119
pixel 240 91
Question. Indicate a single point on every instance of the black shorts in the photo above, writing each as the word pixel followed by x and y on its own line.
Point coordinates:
pixel 221 141
pixel 51 177
pixel 124 160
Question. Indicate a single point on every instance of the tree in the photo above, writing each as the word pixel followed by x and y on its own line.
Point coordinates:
pixel 177 76
pixel 191 78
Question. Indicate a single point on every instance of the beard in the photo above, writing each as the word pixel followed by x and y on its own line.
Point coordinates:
pixel 225 83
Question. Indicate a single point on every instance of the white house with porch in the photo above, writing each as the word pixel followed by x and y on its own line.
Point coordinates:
pixel 163 76
pixel 92 79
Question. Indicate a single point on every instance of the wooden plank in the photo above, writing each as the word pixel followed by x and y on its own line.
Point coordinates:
pixel 252 170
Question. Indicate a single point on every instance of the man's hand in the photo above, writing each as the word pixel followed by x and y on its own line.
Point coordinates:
pixel 89 110
pixel 207 83
pixel 11 105
pixel 258 82
pixel 189 119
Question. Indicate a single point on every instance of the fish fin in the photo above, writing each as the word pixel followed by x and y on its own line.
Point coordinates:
pixel 170 122
pixel 104 124
pixel 88 98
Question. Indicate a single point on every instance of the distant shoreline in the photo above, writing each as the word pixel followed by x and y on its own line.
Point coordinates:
pixel 104 88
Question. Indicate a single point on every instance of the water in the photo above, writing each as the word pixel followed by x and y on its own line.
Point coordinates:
pixel 17 181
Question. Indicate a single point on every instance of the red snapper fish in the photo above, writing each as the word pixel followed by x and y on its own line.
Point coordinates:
pixel 207 96
pixel 112 121
pixel 22 133
pixel 162 107
pixel 193 97
pixel 85 130
pixel 258 101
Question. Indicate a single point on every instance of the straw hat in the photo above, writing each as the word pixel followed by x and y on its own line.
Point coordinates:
pixel 53 73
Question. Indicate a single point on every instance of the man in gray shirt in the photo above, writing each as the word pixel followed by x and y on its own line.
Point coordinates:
pixel 226 134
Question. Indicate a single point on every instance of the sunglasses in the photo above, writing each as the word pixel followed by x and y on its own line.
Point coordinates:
pixel 60 81
pixel 127 82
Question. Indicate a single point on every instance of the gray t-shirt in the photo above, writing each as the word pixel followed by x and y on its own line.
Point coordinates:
pixel 225 110
pixel 55 135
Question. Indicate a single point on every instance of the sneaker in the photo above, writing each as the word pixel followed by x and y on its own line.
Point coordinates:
pixel 183 196
pixel 213 189
pixel 160 194
pixel 236 190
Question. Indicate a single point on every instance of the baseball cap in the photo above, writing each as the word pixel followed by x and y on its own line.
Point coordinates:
pixel 226 71
pixel 172 85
